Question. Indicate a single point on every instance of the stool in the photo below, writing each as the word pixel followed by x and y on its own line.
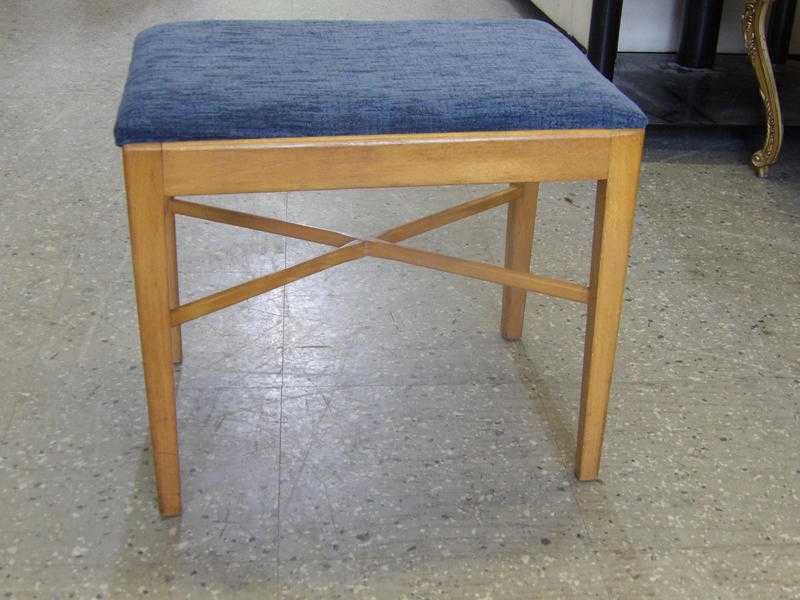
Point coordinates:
pixel 225 107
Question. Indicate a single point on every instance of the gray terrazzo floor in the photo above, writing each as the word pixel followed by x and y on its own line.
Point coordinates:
pixel 366 433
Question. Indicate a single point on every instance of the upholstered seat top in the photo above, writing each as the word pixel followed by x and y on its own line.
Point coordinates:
pixel 208 80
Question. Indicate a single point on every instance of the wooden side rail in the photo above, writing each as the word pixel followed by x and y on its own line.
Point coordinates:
pixel 402 160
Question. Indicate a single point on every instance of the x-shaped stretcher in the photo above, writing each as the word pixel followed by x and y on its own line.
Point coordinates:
pixel 348 248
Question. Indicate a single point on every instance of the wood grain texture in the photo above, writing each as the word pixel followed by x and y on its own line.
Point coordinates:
pixel 148 219
pixel 477 270
pixel 351 248
pixel 520 224
pixel 449 215
pixel 155 172
pixel 258 223
pixel 239 166
pixel 616 203
pixel 260 285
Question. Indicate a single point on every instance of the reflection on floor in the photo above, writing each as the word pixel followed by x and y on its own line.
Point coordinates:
pixel 366 433
pixel 725 95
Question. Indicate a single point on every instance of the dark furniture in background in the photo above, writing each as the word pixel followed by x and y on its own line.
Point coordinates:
pixel 701 22
pixel 700 33
pixel 604 35
pixel 683 90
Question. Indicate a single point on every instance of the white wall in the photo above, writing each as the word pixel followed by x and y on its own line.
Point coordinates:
pixel 573 15
pixel 651 25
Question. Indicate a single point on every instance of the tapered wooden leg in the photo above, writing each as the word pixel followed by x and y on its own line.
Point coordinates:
pixel 147 213
pixel 174 294
pixel 519 246
pixel 616 203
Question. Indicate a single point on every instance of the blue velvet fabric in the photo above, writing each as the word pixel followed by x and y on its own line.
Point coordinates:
pixel 259 79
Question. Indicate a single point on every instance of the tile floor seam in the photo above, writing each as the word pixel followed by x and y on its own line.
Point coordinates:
pixel 750 546
pixel 541 408
pixel 491 383
pixel 10 420
pixel 691 381
pixel 280 409
pixel 51 312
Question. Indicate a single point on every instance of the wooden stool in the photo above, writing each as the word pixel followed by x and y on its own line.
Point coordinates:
pixel 227 107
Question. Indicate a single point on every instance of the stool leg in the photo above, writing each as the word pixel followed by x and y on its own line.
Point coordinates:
pixel 147 214
pixel 616 202
pixel 174 293
pixel 519 247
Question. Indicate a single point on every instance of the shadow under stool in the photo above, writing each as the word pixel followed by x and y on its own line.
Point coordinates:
pixel 228 107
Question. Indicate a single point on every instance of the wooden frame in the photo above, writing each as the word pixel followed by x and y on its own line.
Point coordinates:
pixel 155 173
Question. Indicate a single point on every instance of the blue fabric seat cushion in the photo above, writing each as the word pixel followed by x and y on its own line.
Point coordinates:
pixel 208 80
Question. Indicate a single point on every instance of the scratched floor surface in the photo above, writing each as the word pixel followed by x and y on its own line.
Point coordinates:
pixel 366 433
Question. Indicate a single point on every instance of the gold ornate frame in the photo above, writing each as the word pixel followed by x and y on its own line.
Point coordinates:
pixel 754 19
